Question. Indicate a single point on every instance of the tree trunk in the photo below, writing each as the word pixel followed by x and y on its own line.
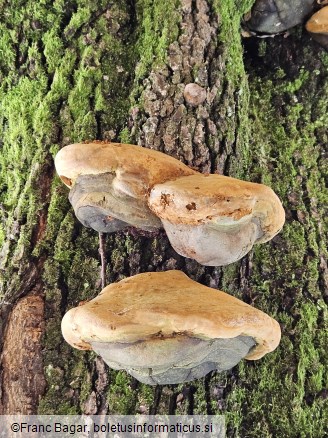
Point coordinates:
pixel 73 71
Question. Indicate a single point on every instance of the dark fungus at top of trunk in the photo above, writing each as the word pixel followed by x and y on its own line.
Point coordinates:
pixel 274 16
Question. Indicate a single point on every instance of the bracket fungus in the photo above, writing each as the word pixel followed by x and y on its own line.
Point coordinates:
pixel 216 219
pixel 110 182
pixel 275 16
pixel 163 328
pixel 317 26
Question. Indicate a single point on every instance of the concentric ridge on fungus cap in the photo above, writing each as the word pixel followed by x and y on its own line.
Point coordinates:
pixel 172 322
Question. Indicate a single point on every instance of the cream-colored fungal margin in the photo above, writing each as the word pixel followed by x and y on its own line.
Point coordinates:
pixel 164 305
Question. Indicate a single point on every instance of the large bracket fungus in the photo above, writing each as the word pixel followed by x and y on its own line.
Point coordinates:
pixel 213 219
pixel 110 182
pixel 163 328
pixel 216 219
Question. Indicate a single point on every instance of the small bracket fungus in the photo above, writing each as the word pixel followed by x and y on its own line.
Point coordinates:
pixel 317 25
pixel 216 219
pixel 110 182
pixel 164 328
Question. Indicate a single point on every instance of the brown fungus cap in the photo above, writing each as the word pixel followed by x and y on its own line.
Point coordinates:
pixel 317 25
pixel 144 166
pixel 166 321
pixel 110 182
pixel 216 219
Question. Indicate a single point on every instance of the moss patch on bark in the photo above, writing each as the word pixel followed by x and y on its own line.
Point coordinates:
pixel 284 394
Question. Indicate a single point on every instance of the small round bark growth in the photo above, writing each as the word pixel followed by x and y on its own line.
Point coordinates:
pixel 194 94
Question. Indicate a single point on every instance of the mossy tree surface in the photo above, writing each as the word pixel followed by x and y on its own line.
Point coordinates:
pixel 72 71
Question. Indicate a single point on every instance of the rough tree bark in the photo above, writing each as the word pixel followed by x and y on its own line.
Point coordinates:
pixel 78 70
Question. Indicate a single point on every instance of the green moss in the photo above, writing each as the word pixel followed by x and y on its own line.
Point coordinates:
pixel 78 19
pixel 63 247
pixel 57 210
pixel 158 24
pixel 82 380
pixel 53 48
pixel 262 48
pixel 145 396
pixel 83 276
pixel 48 406
pixel 200 402
pixel 293 86
pixel 125 136
pixel 281 389
pixel 2 235
pixel 54 402
pixel 310 370
pixel 120 397
pixel 235 107
pixel 229 280
pixel 72 84
pixel 53 333
pixel 231 13
pixel 7 48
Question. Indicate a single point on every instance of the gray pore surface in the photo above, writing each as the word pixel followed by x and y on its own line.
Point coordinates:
pixel 101 203
pixel 174 360
pixel 211 244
